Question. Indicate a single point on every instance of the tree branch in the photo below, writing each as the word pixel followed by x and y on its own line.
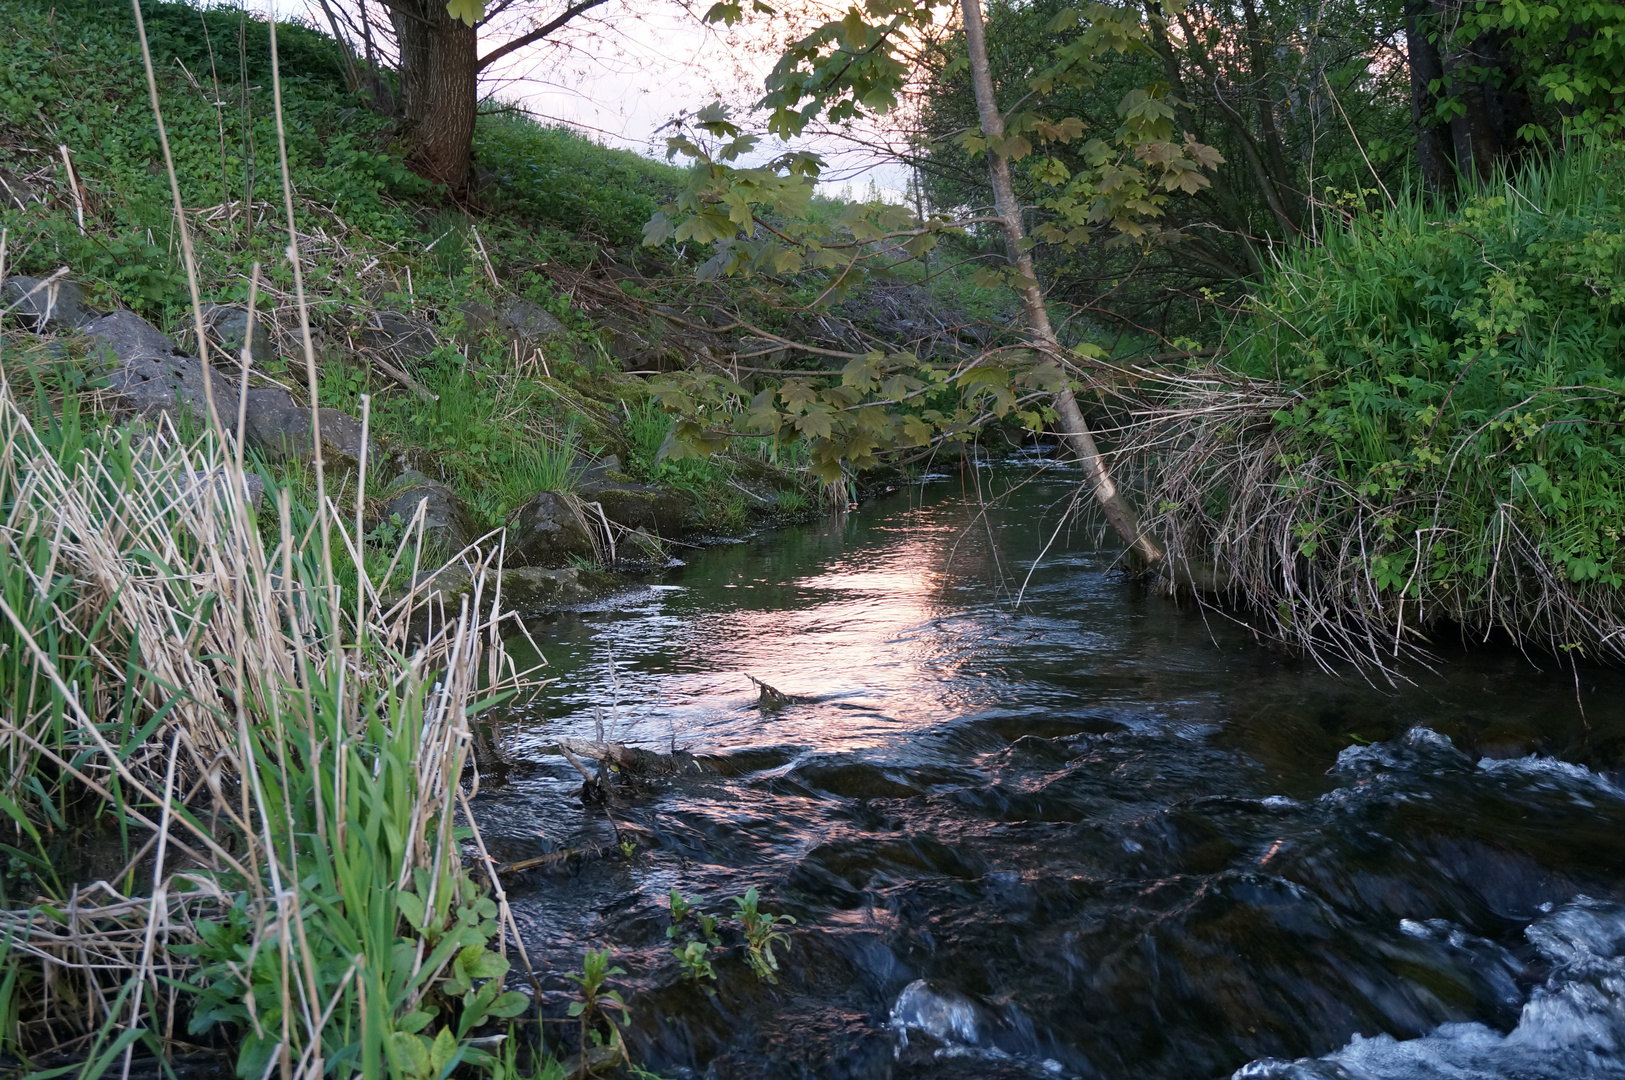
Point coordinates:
pixel 538 34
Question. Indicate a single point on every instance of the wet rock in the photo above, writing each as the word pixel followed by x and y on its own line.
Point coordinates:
pixel 658 510
pixel 447 524
pixel 46 305
pixel 632 759
pixel 227 325
pixel 514 317
pixel 400 338
pixel 547 531
pixel 947 1017
pixel 525 589
pixel 151 376
pixel 280 427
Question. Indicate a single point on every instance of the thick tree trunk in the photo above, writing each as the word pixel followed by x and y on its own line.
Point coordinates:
pixel 1079 439
pixel 1434 155
pixel 439 89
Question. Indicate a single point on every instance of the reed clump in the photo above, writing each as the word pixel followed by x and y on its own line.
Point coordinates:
pixel 285 765
pixel 1421 423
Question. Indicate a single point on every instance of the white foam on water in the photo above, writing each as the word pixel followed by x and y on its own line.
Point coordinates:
pixel 1572 1028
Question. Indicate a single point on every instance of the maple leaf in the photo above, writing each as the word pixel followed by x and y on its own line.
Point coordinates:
pixel 470 11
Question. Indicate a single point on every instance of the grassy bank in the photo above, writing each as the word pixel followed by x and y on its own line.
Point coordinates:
pixel 396 276
pixel 1427 432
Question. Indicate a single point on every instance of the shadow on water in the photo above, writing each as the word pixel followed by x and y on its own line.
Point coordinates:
pixel 1096 835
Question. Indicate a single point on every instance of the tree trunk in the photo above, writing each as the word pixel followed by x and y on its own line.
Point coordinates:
pixel 439 91
pixel 1434 156
pixel 1079 439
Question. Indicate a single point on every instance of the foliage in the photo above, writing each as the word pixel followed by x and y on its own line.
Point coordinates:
pixel 1436 402
pixel 557 175
pixel 600 1012
pixel 1572 50
pixel 763 932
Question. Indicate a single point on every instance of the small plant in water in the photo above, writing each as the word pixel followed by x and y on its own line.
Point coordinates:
pixel 696 964
pixel 763 931
pixel 628 849
pixel 601 1012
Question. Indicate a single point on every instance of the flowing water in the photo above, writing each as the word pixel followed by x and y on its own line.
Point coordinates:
pixel 1095 834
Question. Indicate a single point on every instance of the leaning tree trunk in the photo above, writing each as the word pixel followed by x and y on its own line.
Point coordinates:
pixel 1079 439
pixel 439 89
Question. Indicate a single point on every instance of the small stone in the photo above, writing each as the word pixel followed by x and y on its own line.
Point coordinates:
pixel 228 328
pixel 400 338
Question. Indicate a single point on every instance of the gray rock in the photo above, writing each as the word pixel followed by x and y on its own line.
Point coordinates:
pixel 279 427
pixel 596 472
pixel 514 317
pixel 525 589
pixel 400 338
pixel 659 510
pixel 151 376
pixel 546 532
pixel 446 521
pixel 228 327
pixel 16 193
pixel 46 305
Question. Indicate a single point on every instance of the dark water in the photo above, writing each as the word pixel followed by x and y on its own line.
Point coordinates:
pixel 1095 835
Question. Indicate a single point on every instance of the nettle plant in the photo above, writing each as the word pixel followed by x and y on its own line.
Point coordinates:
pixel 757 220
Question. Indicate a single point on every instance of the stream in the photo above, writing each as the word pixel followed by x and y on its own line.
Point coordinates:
pixel 1098 834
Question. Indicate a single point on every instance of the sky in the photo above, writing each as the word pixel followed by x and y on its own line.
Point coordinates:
pixel 624 74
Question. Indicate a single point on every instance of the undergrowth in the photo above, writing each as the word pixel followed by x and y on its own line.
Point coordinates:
pixel 1434 426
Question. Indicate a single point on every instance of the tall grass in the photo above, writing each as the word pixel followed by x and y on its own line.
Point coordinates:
pixel 1424 424
pixel 282 758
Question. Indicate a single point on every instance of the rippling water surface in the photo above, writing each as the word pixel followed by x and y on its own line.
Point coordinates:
pixel 1095 834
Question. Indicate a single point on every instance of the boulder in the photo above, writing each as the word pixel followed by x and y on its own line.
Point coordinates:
pixel 546 531
pixel 227 325
pixel 659 510
pixel 46 305
pixel 514 317
pixel 400 338
pixel 151 376
pixel 279 427
pixel 447 523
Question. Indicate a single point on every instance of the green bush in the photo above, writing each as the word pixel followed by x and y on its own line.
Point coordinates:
pixel 1435 428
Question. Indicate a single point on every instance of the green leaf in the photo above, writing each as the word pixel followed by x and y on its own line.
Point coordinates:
pixel 412 908
pixel 470 11
pixel 509 1005
pixel 409 1053
pixel 442 1051
pixel 489 965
